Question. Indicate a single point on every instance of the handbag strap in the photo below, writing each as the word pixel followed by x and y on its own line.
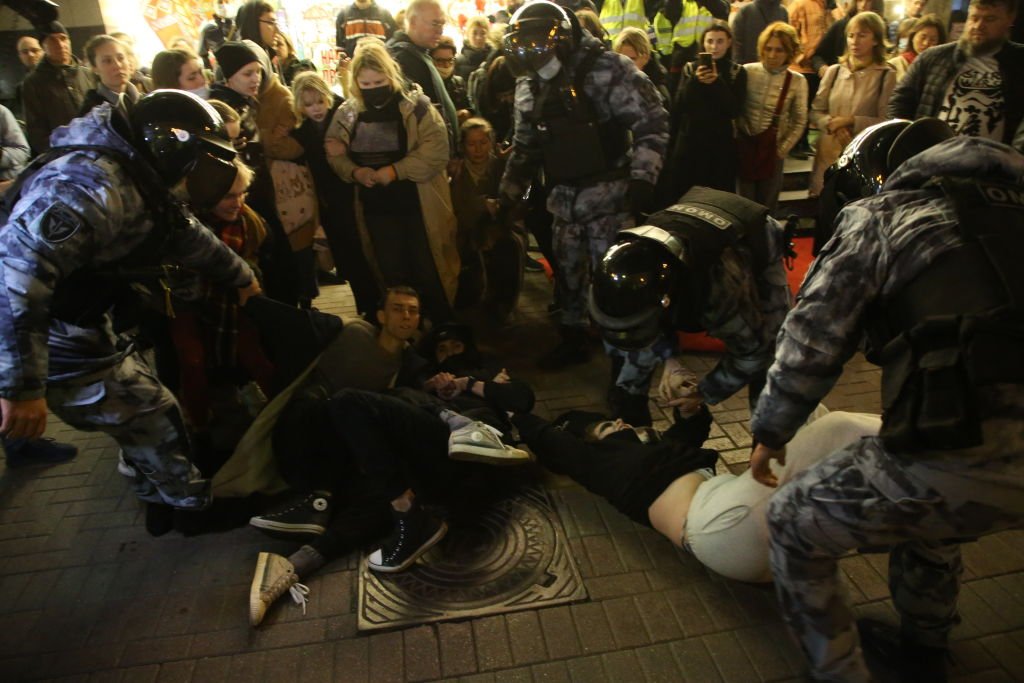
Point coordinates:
pixel 782 98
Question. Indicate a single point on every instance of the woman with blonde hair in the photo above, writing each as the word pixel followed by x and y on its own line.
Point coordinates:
pixel 633 43
pixel 392 145
pixel 774 115
pixel 474 46
pixel 854 93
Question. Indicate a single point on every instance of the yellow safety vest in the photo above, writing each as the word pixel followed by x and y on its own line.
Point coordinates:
pixel 687 30
pixel 616 15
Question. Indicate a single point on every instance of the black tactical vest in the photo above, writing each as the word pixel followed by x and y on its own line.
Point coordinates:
pixel 957 326
pixel 578 149
pixel 704 223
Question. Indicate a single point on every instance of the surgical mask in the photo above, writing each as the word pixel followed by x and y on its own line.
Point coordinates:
pixel 549 70
pixel 202 92
pixel 445 71
pixel 376 97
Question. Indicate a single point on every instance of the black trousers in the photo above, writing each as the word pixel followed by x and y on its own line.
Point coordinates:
pixel 630 475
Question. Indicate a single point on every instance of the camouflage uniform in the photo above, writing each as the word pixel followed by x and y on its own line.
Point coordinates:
pixel 919 504
pixel 587 218
pixel 744 310
pixel 83 211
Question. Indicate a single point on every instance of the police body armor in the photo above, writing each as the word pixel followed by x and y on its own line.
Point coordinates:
pixel 697 230
pixel 956 327
pixel 578 149
pixel 87 294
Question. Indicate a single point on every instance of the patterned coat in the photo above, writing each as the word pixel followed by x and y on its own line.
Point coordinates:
pixel 80 211
pixel 879 245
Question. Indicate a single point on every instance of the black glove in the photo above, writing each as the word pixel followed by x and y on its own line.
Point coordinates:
pixel 641 198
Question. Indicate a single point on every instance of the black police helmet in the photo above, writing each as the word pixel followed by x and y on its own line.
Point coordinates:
pixel 173 129
pixel 537 32
pixel 872 156
pixel 629 292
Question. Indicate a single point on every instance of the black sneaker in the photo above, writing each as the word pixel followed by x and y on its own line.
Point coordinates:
pixel 305 515
pixel 415 532
pixel 45 451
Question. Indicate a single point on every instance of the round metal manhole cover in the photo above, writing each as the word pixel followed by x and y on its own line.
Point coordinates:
pixel 512 556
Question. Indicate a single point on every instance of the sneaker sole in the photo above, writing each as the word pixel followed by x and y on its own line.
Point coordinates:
pixel 257 610
pixel 486 455
pixel 431 542
pixel 286 528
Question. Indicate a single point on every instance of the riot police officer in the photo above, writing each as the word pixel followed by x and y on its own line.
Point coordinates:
pixel 929 269
pixel 95 205
pixel 595 124
pixel 714 262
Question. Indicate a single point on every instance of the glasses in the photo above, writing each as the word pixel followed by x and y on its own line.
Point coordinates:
pixel 444 62
pixel 439 25
pixel 269 22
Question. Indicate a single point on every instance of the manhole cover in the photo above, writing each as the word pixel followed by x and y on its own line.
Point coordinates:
pixel 510 557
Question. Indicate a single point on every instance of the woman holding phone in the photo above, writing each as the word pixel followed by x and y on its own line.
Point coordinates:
pixel 702 147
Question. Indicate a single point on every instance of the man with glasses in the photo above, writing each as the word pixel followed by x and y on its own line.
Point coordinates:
pixel 425 20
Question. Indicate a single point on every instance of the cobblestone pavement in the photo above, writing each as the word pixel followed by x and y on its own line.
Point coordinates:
pixel 86 594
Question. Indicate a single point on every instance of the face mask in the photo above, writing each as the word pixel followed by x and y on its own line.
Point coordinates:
pixel 203 92
pixel 376 97
pixel 445 71
pixel 549 70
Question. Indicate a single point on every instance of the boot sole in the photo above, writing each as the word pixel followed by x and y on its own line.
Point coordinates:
pixel 287 528
pixel 487 456
pixel 430 543
pixel 257 610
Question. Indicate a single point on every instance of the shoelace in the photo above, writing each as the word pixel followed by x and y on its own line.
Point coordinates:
pixel 300 595
pixel 493 430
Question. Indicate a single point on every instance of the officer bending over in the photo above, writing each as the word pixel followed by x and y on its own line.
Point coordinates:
pixel 81 215
pixel 596 125
pixel 714 262
pixel 929 269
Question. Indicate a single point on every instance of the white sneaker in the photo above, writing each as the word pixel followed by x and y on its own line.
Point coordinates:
pixel 123 468
pixel 274 577
pixel 479 442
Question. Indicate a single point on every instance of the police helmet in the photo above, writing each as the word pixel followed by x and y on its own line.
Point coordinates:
pixel 173 130
pixel 630 290
pixel 871 157
pixel 537 32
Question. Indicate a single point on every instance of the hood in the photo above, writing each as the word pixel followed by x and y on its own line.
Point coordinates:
pixel 960 156
pixel 95 128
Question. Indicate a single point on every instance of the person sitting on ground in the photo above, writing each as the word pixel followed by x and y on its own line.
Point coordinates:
pixel 108 58
pixel 360 357
pixel 669 483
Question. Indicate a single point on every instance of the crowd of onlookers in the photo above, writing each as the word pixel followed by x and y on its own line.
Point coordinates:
pixel 397 165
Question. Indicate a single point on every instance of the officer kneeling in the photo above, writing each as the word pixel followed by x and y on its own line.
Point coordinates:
pixel 714 262
pixel 86 218
pixel 930 270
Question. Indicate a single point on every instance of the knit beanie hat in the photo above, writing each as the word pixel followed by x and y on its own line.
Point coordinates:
pixel 50 28
pixel 232 56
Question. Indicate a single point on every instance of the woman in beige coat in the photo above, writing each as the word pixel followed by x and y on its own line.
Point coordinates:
pixel 854 93
pixel 393 145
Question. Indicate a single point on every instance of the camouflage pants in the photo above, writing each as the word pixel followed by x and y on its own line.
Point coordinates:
pixel 582 233
pixel 131 405
pixel 863 496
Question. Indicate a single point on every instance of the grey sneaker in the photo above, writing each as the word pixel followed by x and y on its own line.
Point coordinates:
pixel 274 577
pixel 479 442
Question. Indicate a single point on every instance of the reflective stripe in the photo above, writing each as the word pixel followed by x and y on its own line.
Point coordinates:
pixel 615 16
pixel 687 30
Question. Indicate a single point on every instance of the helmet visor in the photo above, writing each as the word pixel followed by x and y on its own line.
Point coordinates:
pixel 531 44
pixel 631 332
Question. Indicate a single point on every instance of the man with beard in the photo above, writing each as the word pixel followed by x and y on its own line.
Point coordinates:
pixel 969 84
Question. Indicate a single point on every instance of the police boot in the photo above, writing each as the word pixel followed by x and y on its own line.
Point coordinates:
pixel 892 657
pixel 574 349
pixel 633 409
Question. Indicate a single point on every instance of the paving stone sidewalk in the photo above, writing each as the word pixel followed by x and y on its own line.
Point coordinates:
pixel 86 594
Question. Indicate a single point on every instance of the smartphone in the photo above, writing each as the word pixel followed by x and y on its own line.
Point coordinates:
pixel 704 59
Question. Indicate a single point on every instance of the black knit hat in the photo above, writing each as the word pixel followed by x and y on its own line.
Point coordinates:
pixel 49 29
pixel 232 56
